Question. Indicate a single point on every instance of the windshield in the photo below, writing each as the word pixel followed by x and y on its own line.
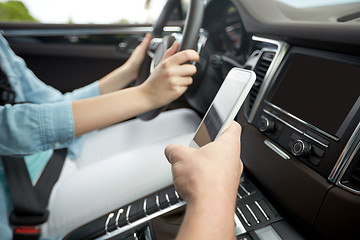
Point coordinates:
pixel 304 11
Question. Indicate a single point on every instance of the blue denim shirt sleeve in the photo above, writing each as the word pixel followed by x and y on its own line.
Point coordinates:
pixel 45 124
pixel 29 88
pixel 31 128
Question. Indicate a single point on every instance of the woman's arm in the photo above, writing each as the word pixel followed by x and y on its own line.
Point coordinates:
pixel 36 91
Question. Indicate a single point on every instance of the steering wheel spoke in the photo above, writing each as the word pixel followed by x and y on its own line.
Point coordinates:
pixel 154 44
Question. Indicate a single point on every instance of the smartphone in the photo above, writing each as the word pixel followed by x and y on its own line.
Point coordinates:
pixel 224 107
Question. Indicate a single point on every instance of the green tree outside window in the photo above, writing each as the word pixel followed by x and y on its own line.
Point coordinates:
pixel 15 11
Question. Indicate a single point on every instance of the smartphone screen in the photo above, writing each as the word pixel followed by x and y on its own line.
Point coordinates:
pixel 225 106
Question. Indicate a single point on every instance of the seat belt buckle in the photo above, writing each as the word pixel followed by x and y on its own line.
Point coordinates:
pixel 26 233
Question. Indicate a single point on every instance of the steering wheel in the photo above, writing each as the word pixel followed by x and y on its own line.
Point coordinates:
pixel 160 44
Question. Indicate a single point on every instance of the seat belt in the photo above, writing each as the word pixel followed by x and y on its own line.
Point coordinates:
pixel 29 202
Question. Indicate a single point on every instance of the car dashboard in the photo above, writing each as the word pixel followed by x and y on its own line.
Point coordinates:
pixel 301 131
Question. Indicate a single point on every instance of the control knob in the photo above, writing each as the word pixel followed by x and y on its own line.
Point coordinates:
pixel 266 124
pixel 301 148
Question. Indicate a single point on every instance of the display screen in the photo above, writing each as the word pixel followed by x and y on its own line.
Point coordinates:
pixel 219 110
pixel 319 91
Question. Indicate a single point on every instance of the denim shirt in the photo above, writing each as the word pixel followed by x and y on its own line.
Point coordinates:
pixel 45 123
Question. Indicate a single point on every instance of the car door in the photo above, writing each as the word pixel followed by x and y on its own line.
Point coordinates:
pixel 70 55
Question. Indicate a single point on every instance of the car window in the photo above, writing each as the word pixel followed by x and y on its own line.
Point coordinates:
pixel 316 3
pixel 81 11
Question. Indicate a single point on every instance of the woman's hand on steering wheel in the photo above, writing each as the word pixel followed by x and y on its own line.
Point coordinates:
pixel 134 63
pixel 171 77
pixel 189 40
pixel 128 72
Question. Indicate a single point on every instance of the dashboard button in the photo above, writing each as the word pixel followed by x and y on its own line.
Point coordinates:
pixel 266 124
pixel 301 148
pixel 318 152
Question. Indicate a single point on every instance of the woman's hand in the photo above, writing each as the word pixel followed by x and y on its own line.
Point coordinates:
pixel 128 72
pixel 169 81
pixel 133 64
pixel 171 77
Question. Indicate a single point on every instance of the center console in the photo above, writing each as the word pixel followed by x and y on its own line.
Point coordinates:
pixel 312 107
pixel 254 217
pixel 301 139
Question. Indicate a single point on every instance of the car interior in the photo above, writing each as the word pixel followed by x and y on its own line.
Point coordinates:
pixel 300 142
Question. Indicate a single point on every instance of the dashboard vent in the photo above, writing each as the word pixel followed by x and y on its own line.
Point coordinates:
pixel 260 69
pixel 351 178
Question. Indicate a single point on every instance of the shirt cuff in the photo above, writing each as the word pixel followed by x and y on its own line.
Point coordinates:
pixel 56 124
pixel 91 90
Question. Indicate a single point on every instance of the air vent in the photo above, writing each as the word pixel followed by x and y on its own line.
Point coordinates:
pixel 260 69
pixel 351 178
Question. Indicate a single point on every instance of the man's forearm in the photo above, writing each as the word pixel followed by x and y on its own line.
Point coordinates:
pixel 208 220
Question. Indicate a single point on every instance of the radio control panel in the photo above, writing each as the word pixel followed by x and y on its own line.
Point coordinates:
pixel 309 111
pixel 301 141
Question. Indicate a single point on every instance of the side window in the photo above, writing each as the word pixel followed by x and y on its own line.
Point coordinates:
pixel 81 11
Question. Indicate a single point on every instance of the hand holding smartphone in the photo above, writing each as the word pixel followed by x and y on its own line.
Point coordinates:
pixel 225 106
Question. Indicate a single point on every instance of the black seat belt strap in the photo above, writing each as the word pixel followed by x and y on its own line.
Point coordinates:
pixel 29 202
pixel 50 176
pixel 23 196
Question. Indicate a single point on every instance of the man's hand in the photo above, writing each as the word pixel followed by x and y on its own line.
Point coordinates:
pixel 208 179
pixel 171 77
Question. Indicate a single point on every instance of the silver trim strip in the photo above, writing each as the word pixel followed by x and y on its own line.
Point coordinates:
pixel 144 206
pixel 282 48
pixel 82 31
pixel 117 217
pixel 157 200
pixel 141 221
pixel 246 191
pixel 239 228
pixel 277 150
pixel 74 32
pixel 127 214
pixel 135 236
pixel 252 213
pixel 294 128
pixel 177 196
pixel 167 198
pixel 243 217
pixel 110 216
pixel 344 170
pixel 346 156
pixel 262 210
pixel 239 196
pixel 303 122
